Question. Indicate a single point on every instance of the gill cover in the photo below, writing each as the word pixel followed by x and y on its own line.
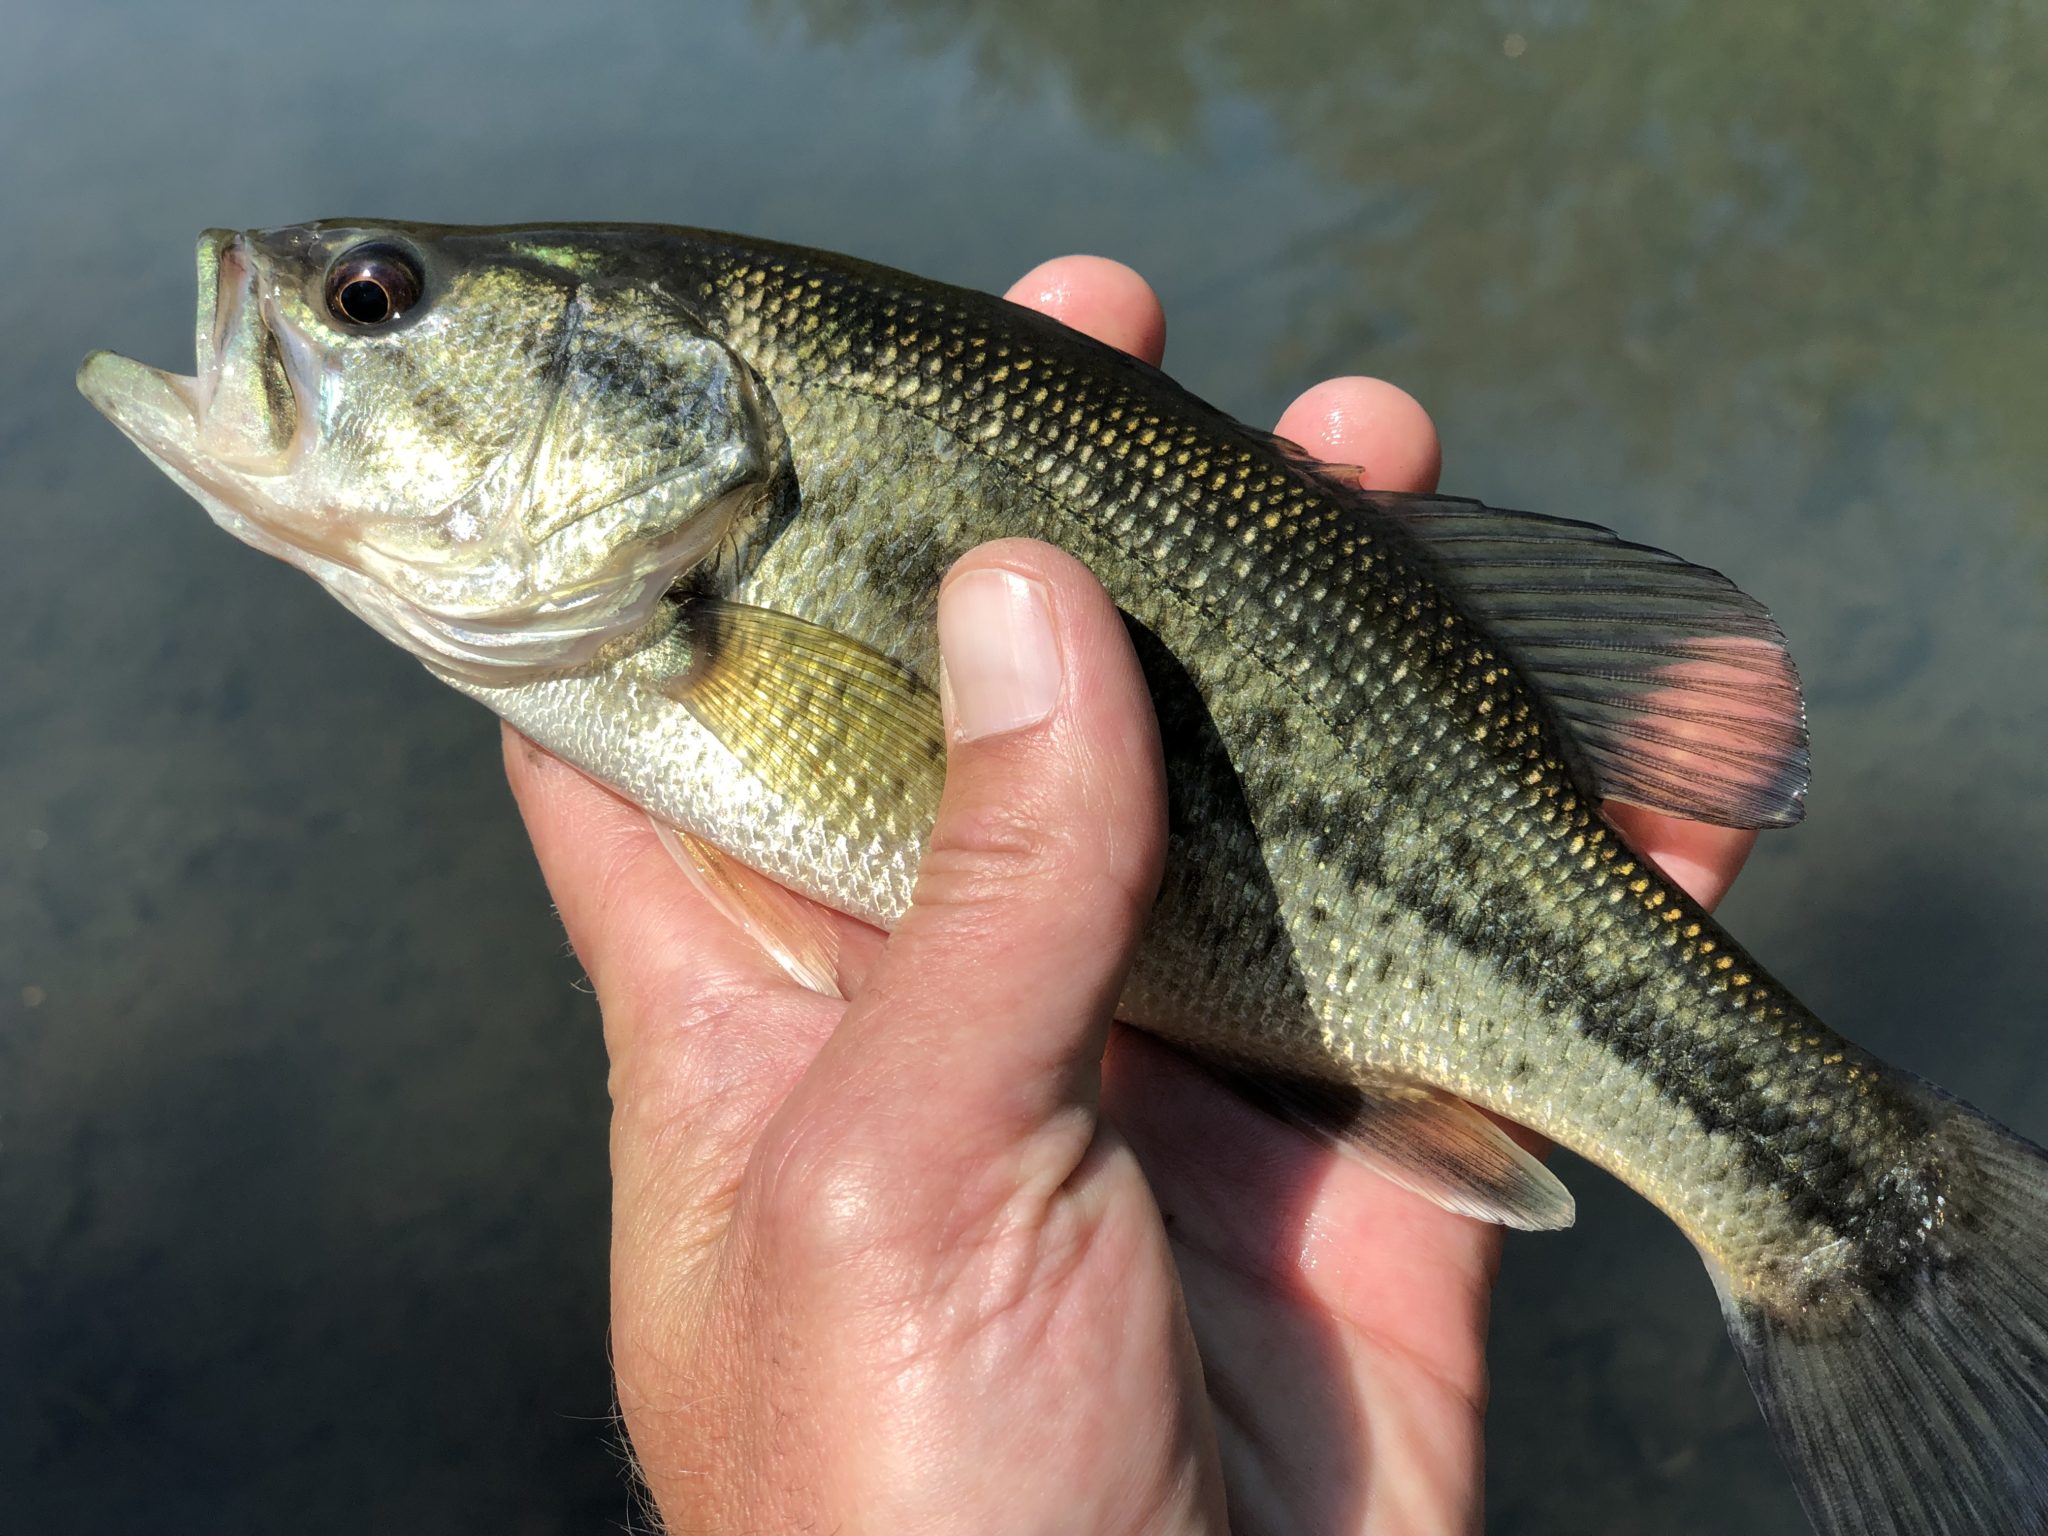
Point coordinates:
pixel 500 454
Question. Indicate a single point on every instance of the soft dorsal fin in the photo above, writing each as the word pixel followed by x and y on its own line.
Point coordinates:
pixel 1426 1141
pixel 1673 686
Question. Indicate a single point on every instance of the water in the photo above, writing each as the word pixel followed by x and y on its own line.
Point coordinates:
pixel 302 1165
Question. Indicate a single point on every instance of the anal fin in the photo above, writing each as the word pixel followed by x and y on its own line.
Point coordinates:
pixel 1429 1142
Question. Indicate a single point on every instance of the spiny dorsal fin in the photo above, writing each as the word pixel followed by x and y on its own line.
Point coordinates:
pixel 1426 1141
pixel 1673 685
pixel 815 714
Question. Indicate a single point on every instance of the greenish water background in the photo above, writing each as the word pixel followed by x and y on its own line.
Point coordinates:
pixel 302 1178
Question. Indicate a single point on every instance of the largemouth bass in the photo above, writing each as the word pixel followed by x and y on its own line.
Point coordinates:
pixel 677 505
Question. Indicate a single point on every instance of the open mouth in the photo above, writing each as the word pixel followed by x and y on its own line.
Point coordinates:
pixel 238 413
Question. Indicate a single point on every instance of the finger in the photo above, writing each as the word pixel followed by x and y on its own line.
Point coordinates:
pixel 985 1018
pixel 1370 423
pixel 692 1007
pixel 617 891
pixel 1097 297
pixel 1265 1200
pixel 1702 859
pixel 1293 1257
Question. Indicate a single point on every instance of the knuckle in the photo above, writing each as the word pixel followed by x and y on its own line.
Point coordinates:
pixel 990 853
pixel 999 873
pixel 997 857
pixel 818 1198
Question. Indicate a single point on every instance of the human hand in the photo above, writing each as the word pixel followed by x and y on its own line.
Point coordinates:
pixel 932 1259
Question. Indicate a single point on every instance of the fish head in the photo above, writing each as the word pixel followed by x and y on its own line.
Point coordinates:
pixel 500 449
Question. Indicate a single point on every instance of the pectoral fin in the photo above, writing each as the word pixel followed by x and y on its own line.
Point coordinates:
pixel 826 722
pixel 1429 1142
pixel 817 716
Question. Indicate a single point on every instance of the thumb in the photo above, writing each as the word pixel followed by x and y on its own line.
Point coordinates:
pixel 984 1022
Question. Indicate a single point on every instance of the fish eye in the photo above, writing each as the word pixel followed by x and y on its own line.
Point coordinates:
pixel 372 285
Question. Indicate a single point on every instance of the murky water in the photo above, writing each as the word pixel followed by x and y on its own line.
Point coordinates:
pixel 302 1168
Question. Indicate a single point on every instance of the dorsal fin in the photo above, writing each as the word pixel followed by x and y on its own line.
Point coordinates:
pixel 1673 685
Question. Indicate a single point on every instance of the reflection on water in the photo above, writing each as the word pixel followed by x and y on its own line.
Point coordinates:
pixel 1632 198
pixel 301 1138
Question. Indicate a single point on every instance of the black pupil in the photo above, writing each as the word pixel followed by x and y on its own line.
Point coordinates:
pixel 365 301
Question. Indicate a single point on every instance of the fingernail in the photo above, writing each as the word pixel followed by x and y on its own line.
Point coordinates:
pixel 1001 667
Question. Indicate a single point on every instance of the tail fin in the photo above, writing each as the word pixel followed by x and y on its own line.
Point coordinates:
pixel 1922 1410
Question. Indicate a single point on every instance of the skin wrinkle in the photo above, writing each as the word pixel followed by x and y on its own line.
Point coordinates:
pixel 1012 1199
pixel 1389 1341
pixel 982 1217
pixel 999 1285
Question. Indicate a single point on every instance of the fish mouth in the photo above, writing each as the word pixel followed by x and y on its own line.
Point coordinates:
pixel 236 418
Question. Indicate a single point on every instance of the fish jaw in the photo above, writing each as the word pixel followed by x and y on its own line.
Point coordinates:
pixel 160 411
pixel 229 431
pixel 241 405
pixel 157 410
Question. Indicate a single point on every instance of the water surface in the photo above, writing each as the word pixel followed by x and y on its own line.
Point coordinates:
pixel 302 1166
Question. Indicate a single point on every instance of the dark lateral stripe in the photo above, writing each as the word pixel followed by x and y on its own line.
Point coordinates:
pixel 1702 1064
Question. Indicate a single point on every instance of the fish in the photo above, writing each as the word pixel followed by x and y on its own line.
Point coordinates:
pixel 676 504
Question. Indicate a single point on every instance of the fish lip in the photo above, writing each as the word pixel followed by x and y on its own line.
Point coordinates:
pixel 115 384
pixel 166 414
pixel 160 413
pixel 245 300
pixel 158 409
pixel 207 334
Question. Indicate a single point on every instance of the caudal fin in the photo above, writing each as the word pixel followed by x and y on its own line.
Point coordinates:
pixel 1921 1407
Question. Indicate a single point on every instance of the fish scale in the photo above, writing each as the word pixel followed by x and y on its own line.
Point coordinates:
pixel 1191 530
pixel 678 504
